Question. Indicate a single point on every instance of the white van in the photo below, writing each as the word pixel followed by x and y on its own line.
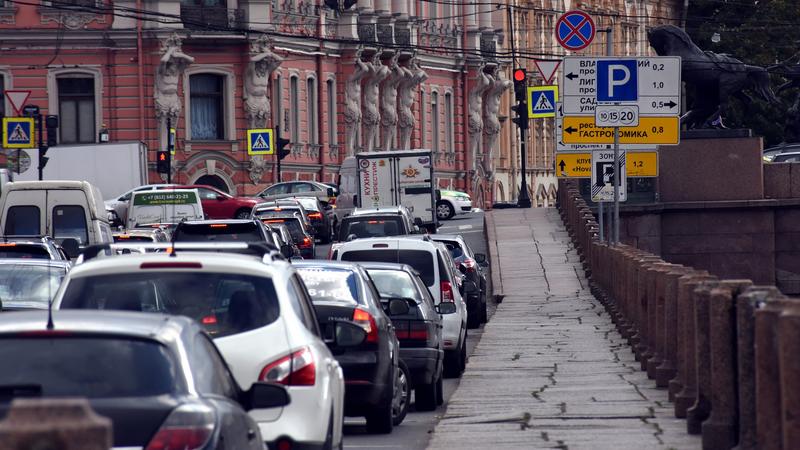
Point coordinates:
pixel 164 206
pixel 70 211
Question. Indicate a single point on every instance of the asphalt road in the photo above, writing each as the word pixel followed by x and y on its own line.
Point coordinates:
pixel 414 432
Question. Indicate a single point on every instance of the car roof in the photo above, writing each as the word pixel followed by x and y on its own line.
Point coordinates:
pixel 35 262
pixel 381 210
pixel 219 221
pixel 405 241
pixel 149 325
pixel 326 263
pixel 387 266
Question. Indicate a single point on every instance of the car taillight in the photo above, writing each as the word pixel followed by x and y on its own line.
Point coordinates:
pixel 306 242
pixel 187 427
pixel 366 320
pixel 315 215
pixel 295 369
pixel 447 291
pixel 410 330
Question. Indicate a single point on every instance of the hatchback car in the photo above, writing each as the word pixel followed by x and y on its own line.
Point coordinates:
pixel 300 236
pixel 377 222
pixel 29 283
pixel 322 217
pixel 160 379
pixel 377 382
pixel 432 261
pixel 231 230
pixel 450 203
pixel 472 265
pixel 419 331
pixel 258 313
pixel 35 247
pixel 314 188
pixel 282 207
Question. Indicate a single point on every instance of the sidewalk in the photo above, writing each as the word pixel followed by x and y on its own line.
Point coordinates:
pixel 550 370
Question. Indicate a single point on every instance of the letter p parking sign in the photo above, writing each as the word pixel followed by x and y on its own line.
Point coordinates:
pixel 617 81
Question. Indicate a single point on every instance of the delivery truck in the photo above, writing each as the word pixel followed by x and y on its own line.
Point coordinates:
pixel 114 168
pixel 392 178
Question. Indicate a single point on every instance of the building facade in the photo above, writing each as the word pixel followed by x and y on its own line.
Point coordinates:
pixel 381 74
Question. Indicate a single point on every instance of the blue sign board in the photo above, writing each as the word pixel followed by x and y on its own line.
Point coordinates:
pixel 617 80
pixel 575 30
pixel 260 142
pixel 18 132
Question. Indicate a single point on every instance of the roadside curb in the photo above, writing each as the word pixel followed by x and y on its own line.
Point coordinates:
pixel 494 256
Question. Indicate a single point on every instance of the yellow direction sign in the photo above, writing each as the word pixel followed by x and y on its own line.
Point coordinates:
pixel 579 165
pixel 651 130
pixel 542 101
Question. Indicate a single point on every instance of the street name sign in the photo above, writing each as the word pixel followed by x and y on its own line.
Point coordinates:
pixel 542 101
pixel 640 164
pixel 655 85
pixel 616 115
pixel 18 132
pixel 575 30
pixel 651 130
pixel 260 142
pixel 602 185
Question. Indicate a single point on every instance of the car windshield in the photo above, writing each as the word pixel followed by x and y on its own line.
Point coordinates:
pixel 28 251
pixel 366 227
pixel 394 283
pixel 219 232
pixel 28 286
pixel 420 260
pixel 295 229
pixel 224 303
pixel 330 285
pixel 84 366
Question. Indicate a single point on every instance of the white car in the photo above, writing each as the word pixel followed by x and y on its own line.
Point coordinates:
pixel 120 204
pixel 431 260
pixel 259 314
pixel 452 203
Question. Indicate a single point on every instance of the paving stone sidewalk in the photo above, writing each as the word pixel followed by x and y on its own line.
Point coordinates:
pixel 550 370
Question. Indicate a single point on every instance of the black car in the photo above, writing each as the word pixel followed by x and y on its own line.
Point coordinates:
pixel 228 230
pixel 419 331
pixel 282 239
pixel 321 216
pixel 300 235
pixel 161 379
pixel 473 266
pixel 377 382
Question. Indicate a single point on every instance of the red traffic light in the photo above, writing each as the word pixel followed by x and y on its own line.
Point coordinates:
pixel 162 156
pixel 519 75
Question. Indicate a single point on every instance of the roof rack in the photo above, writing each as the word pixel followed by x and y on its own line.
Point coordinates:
pixel 267 252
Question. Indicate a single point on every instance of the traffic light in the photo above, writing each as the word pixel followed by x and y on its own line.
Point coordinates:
pixel 162 161
pixel 51 122
pixel 521 119
pixel 520 85
pixel 283 152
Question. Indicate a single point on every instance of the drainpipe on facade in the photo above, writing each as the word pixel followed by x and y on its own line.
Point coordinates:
pixel 465 105
pixel 320 117
pixel 139 75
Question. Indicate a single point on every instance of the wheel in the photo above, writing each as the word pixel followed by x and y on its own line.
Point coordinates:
pixel 484 310
pixel 440 390
pixel 402 395
pixel 444 210
pixel 380 420
pixel 242 214
pixel 463 358
pixel 426 396
pixel 328 445
pixel 453 364
pixel 474 320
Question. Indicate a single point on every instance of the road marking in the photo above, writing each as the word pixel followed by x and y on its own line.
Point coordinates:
pixel 464 227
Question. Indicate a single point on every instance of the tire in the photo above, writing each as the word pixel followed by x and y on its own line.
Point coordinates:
pixel 426 396
pixel 484 310
pixel 242 214
pixel 379 421
pixel 453 364
pixel 444 210
pixel 328 445
pixel 440 390
pixel 402 395
pixel 474 320
pixel 463 359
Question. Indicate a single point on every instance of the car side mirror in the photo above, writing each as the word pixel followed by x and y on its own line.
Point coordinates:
pixel 397 307
pixel 265 395
pixel 351 237
pixel 418 222
pixel 480 258
pixel 347 334
pixel 446 308
pixel 329 192
pixel 71 247
pixel 355 199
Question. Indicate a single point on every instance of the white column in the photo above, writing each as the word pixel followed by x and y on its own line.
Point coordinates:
pixel 470 18
pixel 400 7
pixel 364 5
pixel 485 19
pixel 382 6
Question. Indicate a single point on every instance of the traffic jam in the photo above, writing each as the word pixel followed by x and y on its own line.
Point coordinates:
pixel 195 319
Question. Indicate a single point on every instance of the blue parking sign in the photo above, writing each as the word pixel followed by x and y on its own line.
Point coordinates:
pixel 617 80
pixel 18 132
pixel 260 142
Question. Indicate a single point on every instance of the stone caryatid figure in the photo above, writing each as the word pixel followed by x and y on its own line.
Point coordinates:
pixel 389 103
pixel 483 82
pixel 256 82
pixel 491 122
pixel 352 99
pixel 413 76
pixel 170 68
pixel 371 112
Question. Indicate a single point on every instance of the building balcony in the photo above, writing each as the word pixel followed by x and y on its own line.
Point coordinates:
pixel 211 18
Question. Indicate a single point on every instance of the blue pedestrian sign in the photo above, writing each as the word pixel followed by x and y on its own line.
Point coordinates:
pixel 575 30
pixel 542 101
pixel 617 80
pixel 260 142
pixel 18 132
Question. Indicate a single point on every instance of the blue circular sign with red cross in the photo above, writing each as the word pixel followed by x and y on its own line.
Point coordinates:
pixel 575 30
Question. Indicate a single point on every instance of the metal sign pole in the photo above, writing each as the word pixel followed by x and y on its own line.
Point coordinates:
pixel 617 181
pixel 169 150
pixel 600 214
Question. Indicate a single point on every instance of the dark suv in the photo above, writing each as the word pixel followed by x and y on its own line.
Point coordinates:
pixel 473 266
pixel 380 222
pixel 232 230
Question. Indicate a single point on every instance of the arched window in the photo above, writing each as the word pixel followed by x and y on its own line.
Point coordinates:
pixel 294 105
pixel 435 122
pixel 330 87
pixel 311 111
pixel 207 110
pixel 448 122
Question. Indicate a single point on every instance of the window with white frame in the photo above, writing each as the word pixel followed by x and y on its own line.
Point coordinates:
pixel 294 106
pixel 311 111
pixel 206 105
pixel 435 121
pixel 448 122
pixel 76 108
pixel 330 88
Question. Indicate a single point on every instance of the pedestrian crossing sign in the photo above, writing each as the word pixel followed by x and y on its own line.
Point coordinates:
pixel 260 142
pixel 542 101
pixel 18 132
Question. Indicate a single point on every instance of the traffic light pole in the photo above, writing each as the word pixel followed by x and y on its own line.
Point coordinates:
pixel 278 155
pixel 523 200
pixel 42 148
pixel 169 150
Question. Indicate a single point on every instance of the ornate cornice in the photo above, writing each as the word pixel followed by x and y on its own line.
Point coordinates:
pixel 72 20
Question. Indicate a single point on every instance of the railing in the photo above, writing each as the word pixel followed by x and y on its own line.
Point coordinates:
pixel 211 18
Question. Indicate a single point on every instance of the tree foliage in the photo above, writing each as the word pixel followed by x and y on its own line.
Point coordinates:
pixel 757 32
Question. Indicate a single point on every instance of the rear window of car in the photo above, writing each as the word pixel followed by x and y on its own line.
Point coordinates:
pixel 308 203
pixel 127 238
pixel 81 366
pixel 224 303
pixel 295 229
pixel 277 210
pixel 330 285
pixel 28 285
pixel 219 232
pixel 420 260
pixel 394 283
pixel 366 227
pixel 454 247
pixel 27 251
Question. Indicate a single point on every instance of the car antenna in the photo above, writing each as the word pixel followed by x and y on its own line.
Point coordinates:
pixel 174 235
pixel 50 325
